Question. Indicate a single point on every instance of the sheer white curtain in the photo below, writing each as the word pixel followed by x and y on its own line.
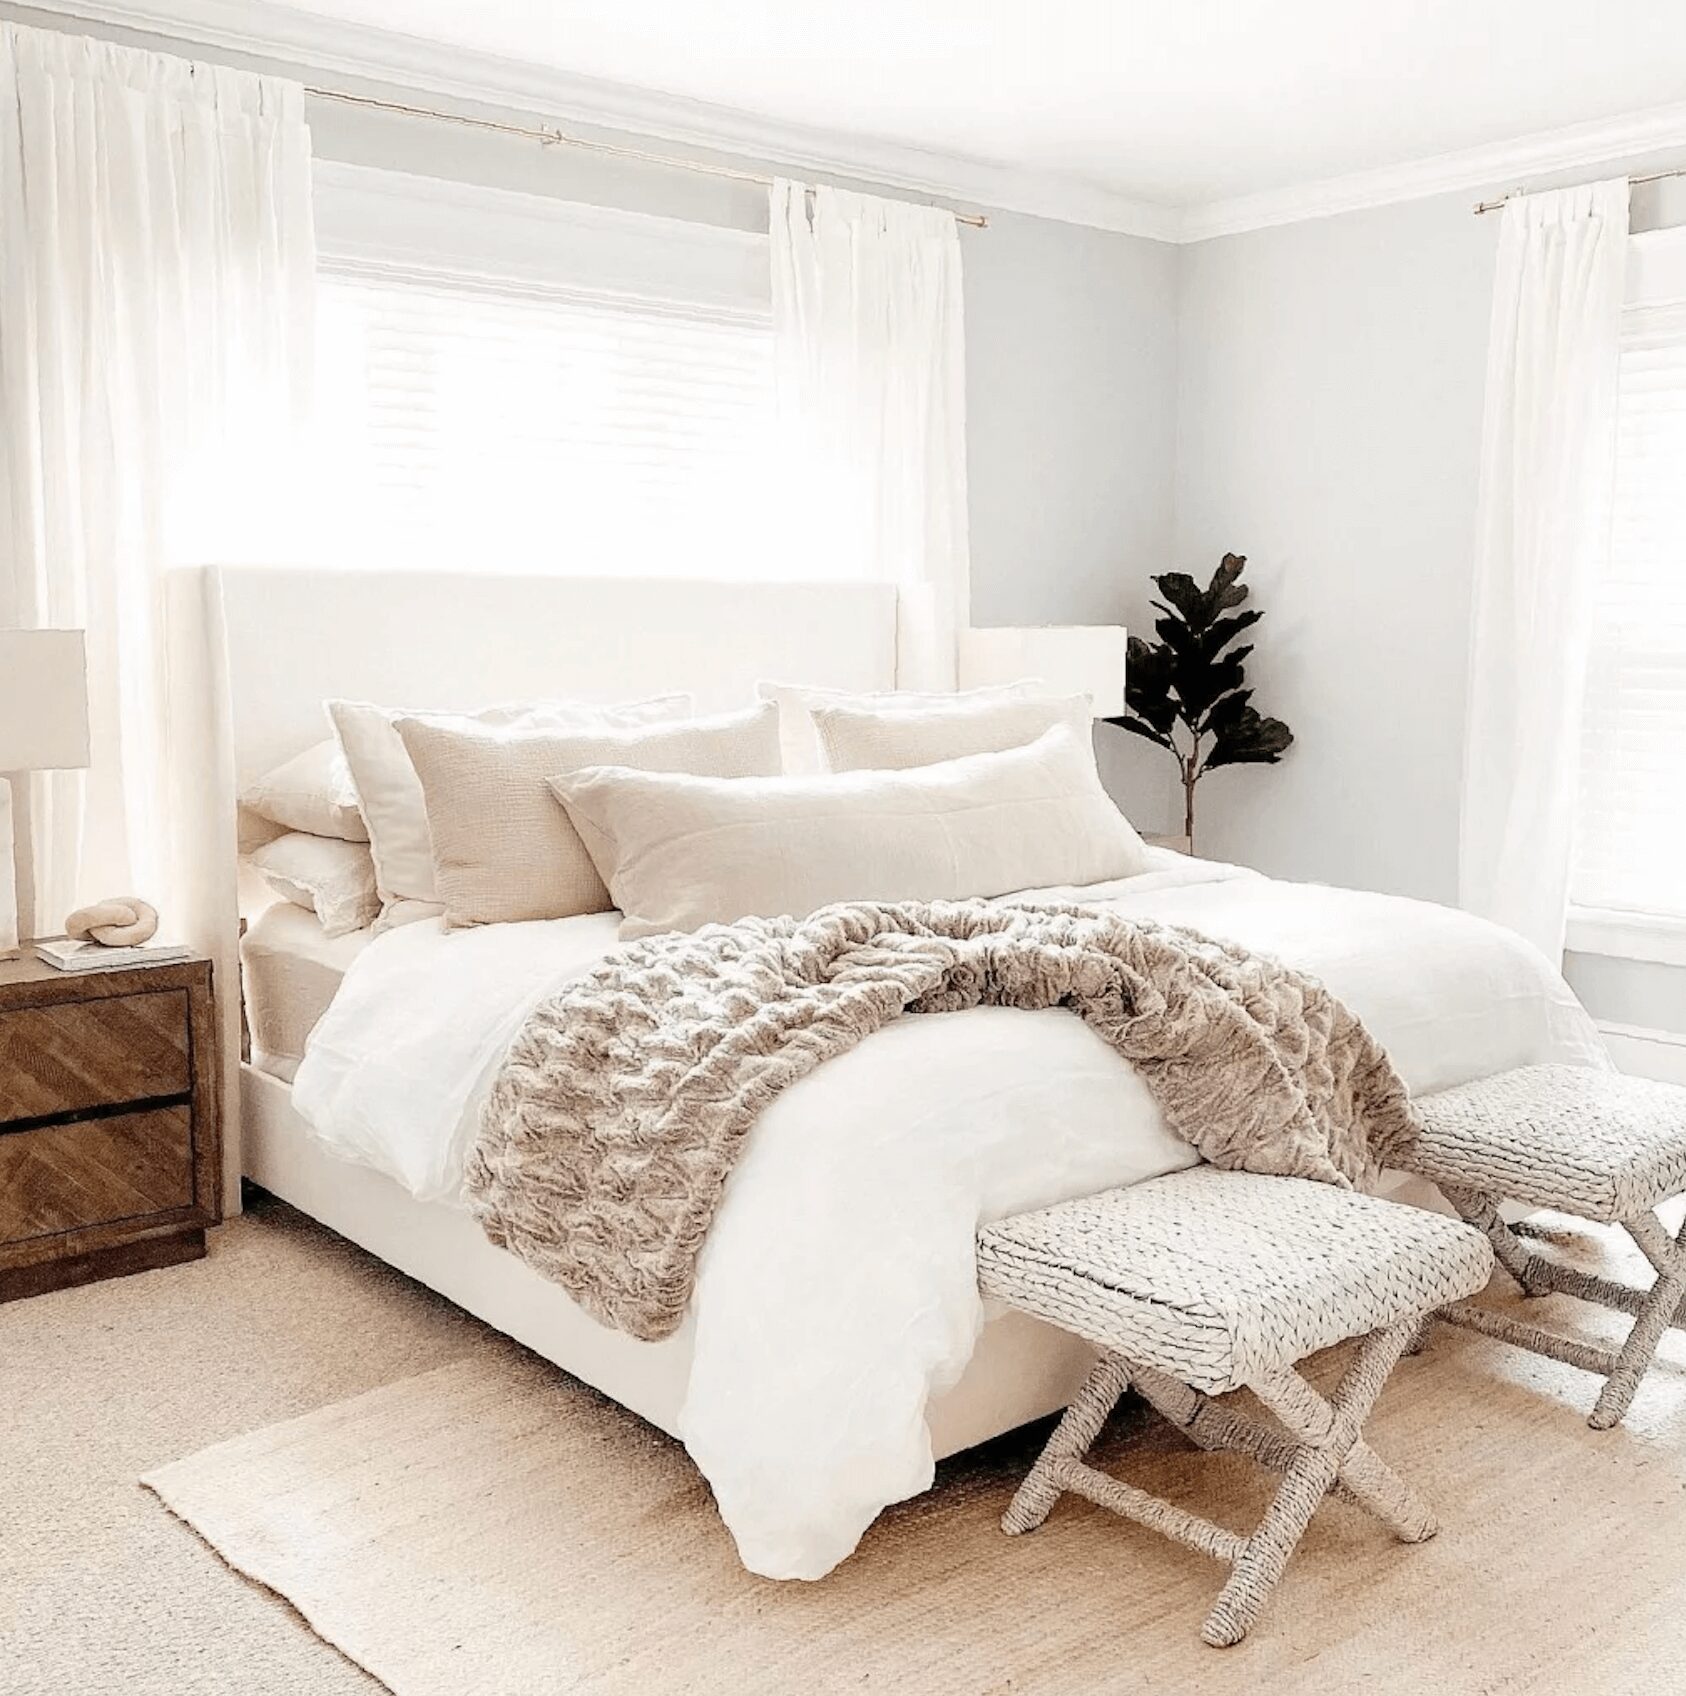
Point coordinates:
pixel 870 349
pixel 156 287
pixel 1547 468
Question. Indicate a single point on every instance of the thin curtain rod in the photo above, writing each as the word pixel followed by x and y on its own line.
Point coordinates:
pixel 548 136
pixel 1650 177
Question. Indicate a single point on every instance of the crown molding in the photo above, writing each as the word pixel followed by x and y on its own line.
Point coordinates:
pixel 1603 141
pixel 332 47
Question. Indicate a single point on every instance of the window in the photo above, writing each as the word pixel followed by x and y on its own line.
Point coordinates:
pixel 1631 837
pixel 512 384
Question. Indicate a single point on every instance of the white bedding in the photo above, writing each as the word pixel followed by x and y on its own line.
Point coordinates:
pixel 836 1292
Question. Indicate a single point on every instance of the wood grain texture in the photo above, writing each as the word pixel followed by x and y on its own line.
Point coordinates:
pixel 95 1172
pixel 68 1056
pixel 110 1137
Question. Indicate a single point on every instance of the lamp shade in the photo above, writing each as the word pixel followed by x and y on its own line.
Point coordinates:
pixel 43 700
pixel 1072 658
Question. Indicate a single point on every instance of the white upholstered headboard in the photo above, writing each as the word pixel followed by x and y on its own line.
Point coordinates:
pixel 254 652
pixel 297 636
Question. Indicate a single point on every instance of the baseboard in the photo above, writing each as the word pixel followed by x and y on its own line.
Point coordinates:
pixel 1645 1051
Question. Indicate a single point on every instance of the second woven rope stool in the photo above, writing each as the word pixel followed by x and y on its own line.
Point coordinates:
pixel 1201 1282
pixel 1598 1145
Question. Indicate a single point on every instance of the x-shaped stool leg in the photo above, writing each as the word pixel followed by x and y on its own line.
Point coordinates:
pixel 1322 1450
pixel 1654 1310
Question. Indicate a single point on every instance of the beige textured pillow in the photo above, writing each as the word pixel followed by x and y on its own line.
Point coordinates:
pixel 867 739
pixel 679 852
pixel 503 849
pixel 803 755
pixel 390 799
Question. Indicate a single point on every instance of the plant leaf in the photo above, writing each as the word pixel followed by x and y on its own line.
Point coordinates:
pixel 1148 677
pixel 1141 728
pixel 1220 633
pixel 1247 738
pixel 1224 591
pixel 1186 596
pixel 1202 682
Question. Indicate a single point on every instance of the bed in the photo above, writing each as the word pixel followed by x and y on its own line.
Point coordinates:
pixel 1453 998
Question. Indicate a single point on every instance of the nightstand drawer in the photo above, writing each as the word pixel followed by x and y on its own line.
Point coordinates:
pixel 69 1056
pixel 66 1177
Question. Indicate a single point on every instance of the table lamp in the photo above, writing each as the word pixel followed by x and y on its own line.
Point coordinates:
pixel 43 727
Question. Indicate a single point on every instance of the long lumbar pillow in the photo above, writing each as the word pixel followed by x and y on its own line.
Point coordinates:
pixel 679 852
pixel 503 850
pixel 857 738
pixel 389 795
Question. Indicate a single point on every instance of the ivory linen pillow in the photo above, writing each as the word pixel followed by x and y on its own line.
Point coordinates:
pixel 312 792
pixel 862 739
pixel 803 754
pixel 503 849
pixel 389 797
pixel 680 852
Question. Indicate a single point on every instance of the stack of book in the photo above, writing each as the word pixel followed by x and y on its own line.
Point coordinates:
pixel 70 955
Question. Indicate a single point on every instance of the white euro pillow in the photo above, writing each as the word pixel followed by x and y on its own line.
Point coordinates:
pixel 856 738
pixel 678 852
pixel 803 754
pixel 389 795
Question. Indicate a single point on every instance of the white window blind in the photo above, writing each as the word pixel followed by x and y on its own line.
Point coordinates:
pixel 1631 834
pixel 508 383
pixel 503 428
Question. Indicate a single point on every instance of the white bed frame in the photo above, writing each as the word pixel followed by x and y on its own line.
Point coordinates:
pixel 282 640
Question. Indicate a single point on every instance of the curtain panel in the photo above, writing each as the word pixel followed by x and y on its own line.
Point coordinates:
pixel 156 296
pixel 869 337
pixel 1547 473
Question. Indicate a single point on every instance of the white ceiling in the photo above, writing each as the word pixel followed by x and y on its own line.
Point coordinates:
pixel 1177 102
pixel 1173 117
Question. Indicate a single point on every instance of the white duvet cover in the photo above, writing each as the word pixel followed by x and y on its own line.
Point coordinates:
pixel 836 1293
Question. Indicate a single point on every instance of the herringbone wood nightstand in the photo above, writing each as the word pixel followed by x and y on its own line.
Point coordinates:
pixel 110 1144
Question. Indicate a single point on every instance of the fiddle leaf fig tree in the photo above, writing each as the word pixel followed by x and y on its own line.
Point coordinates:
pixel 1188 692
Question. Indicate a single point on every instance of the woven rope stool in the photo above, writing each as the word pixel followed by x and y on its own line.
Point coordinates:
pixel 1595 1144
pixel 1204 1281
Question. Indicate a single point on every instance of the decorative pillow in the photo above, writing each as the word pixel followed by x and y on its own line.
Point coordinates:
pixel 803 755
pixel 679 852
pixel 312 792
pixel 333 879
pixel 390 798
pixel 503 849
pixel 871 739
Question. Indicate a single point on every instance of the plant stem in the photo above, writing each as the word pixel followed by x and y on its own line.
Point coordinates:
pixel 1191 775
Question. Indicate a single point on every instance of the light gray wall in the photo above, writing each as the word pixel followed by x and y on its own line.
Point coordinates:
pixel 1328 425
pixel 1071 394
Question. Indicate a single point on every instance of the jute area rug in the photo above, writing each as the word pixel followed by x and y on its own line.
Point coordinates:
pixel 493 1527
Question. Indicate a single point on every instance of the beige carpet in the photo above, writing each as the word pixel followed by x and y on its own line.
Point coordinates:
pixel 474 1522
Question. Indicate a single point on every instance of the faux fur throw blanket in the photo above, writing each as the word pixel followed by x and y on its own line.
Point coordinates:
pixel 624 1102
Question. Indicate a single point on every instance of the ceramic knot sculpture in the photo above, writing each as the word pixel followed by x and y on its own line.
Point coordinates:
pixel 125 921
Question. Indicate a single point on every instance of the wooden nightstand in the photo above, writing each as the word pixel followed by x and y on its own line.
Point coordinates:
pixel 110 1144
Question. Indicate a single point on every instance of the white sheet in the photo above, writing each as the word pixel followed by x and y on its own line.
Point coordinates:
pixel 290 970
pixel 836 1291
